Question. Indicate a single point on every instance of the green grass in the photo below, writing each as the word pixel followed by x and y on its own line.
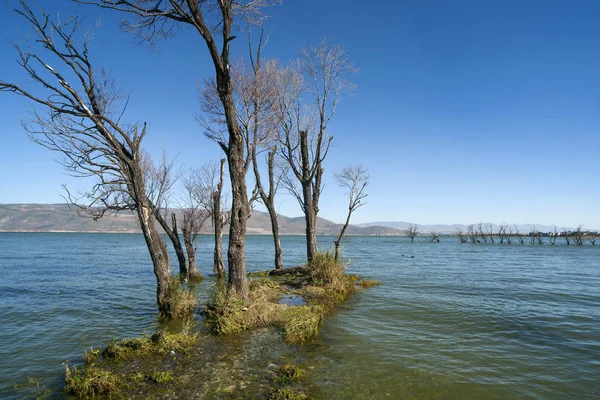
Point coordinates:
pixel 180 301
pixel 290 373
pixel 301 323
pixel 286 394
pixel 91 381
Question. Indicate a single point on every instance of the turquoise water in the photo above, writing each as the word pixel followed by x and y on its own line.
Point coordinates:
pixel 451 320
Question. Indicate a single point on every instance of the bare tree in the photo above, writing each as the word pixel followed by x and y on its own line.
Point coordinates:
pixel 480 231
pixel 461 236
pixel 472 233
pixel 489 228
pixel 354 179
pixel 532 234
pixel 85 125
pixel 567 236
pixel 502 232
pixel 592 238
pixel 435 237
pixel 553 235
pixel 578 235
pixel 518 234
pixel 411 231
pixel 194 218
pixel 211 19
pixel 321 76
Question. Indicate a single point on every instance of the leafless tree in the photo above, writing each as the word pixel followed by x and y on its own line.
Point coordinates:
pixel 578 235
pixel 567 236
pixel 509 234
pixel 461 236
pixel 215 22
pixel 518 234
pixel 472 233
pixel 411 231
pixel 480 231
pixel 194 217
pixel 592 238
pixel 502 232
pixel 539 238
pixel 435 237
pixel 354 179
pixel 532 234
pixel 489 228
pixel 85 125
pixel 553 235
pixel 321 76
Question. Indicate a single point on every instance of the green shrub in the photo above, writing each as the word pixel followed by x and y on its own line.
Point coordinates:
pixel 179 301
pixel 302 323
pixel 91 381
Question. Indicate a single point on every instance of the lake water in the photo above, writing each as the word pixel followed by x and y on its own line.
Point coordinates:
pixel 451 320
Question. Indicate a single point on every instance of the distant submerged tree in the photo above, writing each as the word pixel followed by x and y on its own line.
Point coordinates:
pixel 412 231
pixel 355 180
pixel 84 124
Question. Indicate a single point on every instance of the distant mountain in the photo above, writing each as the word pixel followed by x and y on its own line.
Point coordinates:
pixel 60 218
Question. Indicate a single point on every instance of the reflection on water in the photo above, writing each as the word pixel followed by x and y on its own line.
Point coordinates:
pixel 450 321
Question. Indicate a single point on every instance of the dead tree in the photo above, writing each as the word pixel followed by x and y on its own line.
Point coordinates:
pixel 578 236
pixel 354 179
pixel 411 231
pixel 518 234
pixel 321 78
pixel 567 236
pixel 435 237
pixel 553 235
pixel 532 235
pixel 502 232
pixel 592 238
pixel 84 124
pixel 194 218
pixel 489 228
pixel 472 233
pixel 461 236
pixel 215 22
pixel 480 231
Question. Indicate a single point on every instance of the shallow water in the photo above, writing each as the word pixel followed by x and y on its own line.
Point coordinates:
pixel 450 321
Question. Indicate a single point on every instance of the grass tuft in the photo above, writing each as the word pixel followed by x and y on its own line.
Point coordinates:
pixel 290 373
pixel 91 355
pixel 180 301
pixel 91 381
pixel 286 394
pixel 301 323
pixel 367 283
pixel 161 377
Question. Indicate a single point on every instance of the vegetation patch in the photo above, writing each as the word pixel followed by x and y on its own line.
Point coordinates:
pixel 290 373
pixel 302 323
pixel 180 301
pixel 91 355
pixel 226 314
pixel 161 377
pixel 367 283
pixel 160 342
pixel 286 394
pixel 91 381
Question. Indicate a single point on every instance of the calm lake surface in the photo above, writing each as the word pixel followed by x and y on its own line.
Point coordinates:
pixel 451 320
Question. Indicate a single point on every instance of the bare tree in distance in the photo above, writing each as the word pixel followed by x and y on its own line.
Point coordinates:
pixel 461 236
pixel 567 236
pixel 411 231
pixel 502 232
pixel 320 77
pixel 215 22
pixel 435 237
pixel 85 125
pixel 518 234
pixel 472 233
pixel 532 234
pixel 489 228
pixel 578 235
pixel 354 179
pixel 480 230
pixel 553 235
pixel 593 237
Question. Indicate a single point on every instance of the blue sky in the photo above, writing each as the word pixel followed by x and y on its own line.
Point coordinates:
pixel 465 111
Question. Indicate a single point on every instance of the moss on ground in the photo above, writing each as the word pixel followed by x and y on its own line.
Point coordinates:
pixel 290 373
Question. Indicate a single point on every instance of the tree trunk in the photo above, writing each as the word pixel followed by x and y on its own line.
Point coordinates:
pixel 276 240
pixel 188 239
pixel 217 219
pixel 341 235
pixel 310 219
pixel 174 236
pixel 158 254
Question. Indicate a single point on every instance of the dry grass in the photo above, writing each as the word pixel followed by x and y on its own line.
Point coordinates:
pixel 367 283
pixel 180 301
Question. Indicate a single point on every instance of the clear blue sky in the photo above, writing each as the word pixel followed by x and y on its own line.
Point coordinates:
pixel 466 110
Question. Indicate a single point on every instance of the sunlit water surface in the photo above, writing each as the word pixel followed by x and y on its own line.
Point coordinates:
pixel 450 321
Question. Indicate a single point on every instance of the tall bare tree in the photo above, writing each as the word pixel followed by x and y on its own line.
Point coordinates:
pixel 518 234
pixel 481 232
pixel 503 232
pixel 578 235
pixel 354 179
pixel 489 229
pixel 215 22
pixel 553 235
pixel 413 230
pixel 461 235
pixel 322 76
pixel 567 233
pixel 84 123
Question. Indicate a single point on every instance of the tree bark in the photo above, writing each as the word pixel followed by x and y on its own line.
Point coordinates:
pixel 276 240
pixel 341 235
pixel 192 270
pixel 310 219
pixel 217 219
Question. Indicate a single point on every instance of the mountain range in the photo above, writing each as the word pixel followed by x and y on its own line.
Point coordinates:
pixel 61 218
